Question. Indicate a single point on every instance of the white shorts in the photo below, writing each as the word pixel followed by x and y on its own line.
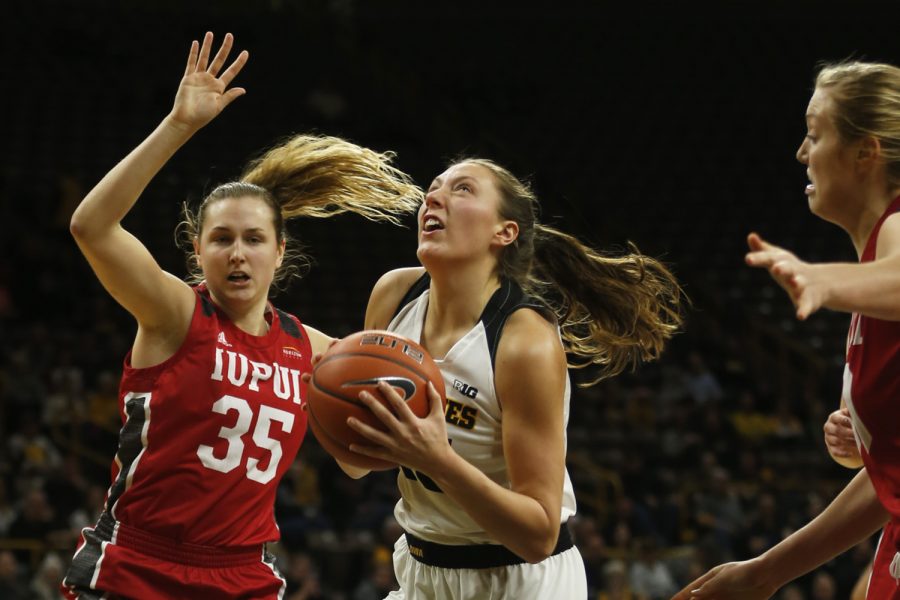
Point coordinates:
pixel 559 577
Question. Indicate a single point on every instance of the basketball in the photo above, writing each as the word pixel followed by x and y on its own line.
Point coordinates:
pixel 357 363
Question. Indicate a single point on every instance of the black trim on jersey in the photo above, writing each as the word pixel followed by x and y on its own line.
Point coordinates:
pixel 209 309
pixel 84 564
pixel 130 444
pixel 288 325
pixel 81 571
pixel 508 298
pixel 414 292
pixel 475 556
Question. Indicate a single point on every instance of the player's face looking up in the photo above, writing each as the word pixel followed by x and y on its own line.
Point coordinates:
pixel 238 249
pixel 460 215
pixel 829 160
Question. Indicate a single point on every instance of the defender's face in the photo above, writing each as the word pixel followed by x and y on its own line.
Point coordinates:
pixel 829 160
pixel 238 250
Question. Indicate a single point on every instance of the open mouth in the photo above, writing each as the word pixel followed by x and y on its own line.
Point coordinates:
pixel 238 277
pixel 432 224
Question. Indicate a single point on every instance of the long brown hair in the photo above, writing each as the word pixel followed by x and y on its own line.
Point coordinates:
pixel 310 176
pixel 614 311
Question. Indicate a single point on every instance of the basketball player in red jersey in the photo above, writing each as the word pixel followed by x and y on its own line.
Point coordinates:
pixel 852 154
pixel 211 391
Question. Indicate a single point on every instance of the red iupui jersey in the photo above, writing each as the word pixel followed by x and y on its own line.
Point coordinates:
pixel 209 433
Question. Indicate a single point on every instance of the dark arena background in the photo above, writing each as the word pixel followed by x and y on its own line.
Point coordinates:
pixel 661 124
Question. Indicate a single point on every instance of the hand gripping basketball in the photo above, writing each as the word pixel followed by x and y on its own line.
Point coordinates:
pixel 358 363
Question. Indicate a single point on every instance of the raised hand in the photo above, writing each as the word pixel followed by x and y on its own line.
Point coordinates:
pixel 203 93
pixel 798 278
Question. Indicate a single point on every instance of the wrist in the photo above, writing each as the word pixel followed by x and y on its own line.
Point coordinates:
pixel 178 127
pixel 820 274
pixel 770 570
pixel 446 467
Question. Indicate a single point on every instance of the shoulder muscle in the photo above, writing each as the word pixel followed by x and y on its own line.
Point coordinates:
pixel 387 293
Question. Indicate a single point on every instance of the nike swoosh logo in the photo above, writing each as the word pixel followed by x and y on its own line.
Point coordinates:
pixel 407 385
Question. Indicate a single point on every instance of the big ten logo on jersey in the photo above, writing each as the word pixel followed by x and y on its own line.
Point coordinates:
pixel 465 389
pixel 375 339
pixel 242 372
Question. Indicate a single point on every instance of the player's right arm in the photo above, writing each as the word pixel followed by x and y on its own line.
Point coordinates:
pixel 161 303
pixel 386 295
pixel 851 518
pixel 871 288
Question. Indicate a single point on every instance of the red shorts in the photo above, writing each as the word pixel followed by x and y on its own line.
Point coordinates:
pixel 883 585
pixel 136 564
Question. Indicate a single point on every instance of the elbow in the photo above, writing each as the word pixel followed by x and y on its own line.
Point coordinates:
pixel 79 227
pixel 351 471
pixel 541 547
pixel 84 229
pixel 76 227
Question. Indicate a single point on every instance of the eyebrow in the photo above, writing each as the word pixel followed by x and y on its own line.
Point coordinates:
pixel 438 181
pixel 229 229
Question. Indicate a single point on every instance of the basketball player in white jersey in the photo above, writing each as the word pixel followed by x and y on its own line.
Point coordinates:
pixel 499 302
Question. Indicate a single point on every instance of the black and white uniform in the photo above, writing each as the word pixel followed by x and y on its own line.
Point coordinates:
pixel 445 554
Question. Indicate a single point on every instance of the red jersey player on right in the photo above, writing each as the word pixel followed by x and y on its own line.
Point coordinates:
pixel 852 154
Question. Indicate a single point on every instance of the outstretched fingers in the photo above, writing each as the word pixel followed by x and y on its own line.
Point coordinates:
pixel 756 243
pixel 192 58
pixel 221 55
pixel 231 72
pixel 205 48
pixel 805 307
pixel 692 590
pixel 762 253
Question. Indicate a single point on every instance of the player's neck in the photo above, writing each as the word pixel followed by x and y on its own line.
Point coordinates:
pixel 456 300
pixel 250 320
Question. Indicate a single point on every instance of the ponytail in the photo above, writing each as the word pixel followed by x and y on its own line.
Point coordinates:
pixel 614 311
pixel 310 176
pixel 322 176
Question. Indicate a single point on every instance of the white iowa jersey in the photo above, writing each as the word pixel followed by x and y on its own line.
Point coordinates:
pixel 473 418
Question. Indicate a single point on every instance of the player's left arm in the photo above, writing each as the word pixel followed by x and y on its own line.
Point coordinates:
pixel 320 343
pixel 318 340
pixel 530 379
pixel 873 288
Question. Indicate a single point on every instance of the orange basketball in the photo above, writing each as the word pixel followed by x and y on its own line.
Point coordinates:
pixel 356 363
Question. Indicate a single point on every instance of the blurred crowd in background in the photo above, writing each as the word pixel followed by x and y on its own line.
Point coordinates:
pixel 677 135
